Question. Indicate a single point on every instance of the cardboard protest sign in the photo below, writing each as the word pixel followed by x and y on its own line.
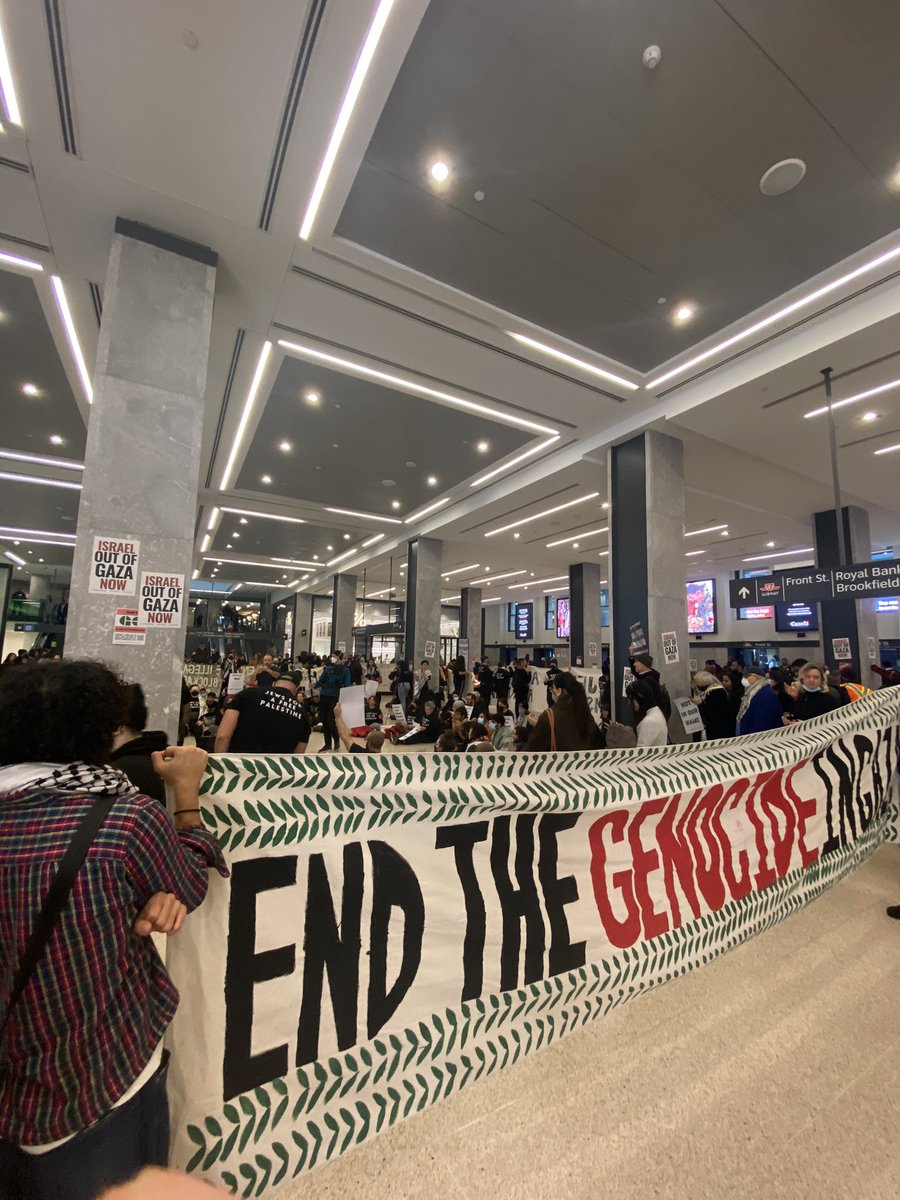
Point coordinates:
pixel 162 599
pixel 114 565
pixel 383 941
pixel 690 715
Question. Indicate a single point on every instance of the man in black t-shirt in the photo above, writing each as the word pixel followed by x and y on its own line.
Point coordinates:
pixel 264 722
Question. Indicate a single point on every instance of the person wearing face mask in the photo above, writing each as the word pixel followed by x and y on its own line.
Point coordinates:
pixel 502 737
pixel 813 697
pixel 760 707
pixel 714 706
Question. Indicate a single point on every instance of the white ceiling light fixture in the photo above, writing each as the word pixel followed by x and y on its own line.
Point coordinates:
pixel 245 415
pixel 439 171
pixel 868 417
pixel 502 575
pixel 490 599
pixel 409 385
pixel 266 479
pixel 546 513
pixel 31 389
pixel 33 541
pixel 51 533
pixel 423 512
pixel 340 557
pixel 461 570
pixel 372 540
pixel 13 260
pixel 782 177
pixel 14 558
pixel 578 363
pixel 514 462
pixel 482 447
pixel 538 582
pixel 351 96
pixel 888 449
pixel 773 318
pixel 771 545
pixel 312 397
pixel 43 460
pixel 875 391
pixel 285 447
pixel 707 529
pixel 364 516
pixel 779 554
pixel 8 87
pixel 684 313
pixel 59 483
pixel 432 481
pixel 578 536
pixel 449 599
pixel 55 439
pixel 213 519
pixel 693 553
pixel 252 512
pixel 65 313
pixel 204 545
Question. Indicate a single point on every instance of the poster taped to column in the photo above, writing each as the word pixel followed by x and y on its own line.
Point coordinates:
pixel 162 599
pixel 127 628
pixel 114 565
pixel 670 647
pixel 397 927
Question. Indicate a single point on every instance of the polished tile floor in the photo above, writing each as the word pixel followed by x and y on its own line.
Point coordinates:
pixel 773 1074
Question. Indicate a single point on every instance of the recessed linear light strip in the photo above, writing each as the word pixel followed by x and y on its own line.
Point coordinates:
pixel 345 112
pixel 693 553
pixel 514 462
pixel 14 558
pixel 492 578
pixel 15 530
pixel 213 519
pixel 875 391
pixel 7 86
pixel 888 449
pixel 423 512
pixel 779 554
pixel 449 599
pixel 708 529
pixel 546 513
pixel 773 318
pixel 247 562
pixel 252 512
pixel 490 599
pixel 340 557
pixel 578 536
pixel 461 570
pixel 578 363
pixel 13 260
pixel 352 512
pixel 372 540
pixel 419 388
pixel 72 335
pixel 37 541
pixel 245 415
pixel 537 582
pixel 60 483
pixel 43 460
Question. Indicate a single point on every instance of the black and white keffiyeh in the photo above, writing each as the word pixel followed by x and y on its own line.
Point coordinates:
pixel 84 779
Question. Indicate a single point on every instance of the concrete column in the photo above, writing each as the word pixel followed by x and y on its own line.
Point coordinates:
pixel 423 602
pixel 471 626
pixel 142 460
pixel 852 619
pixel 647 564
pixel 303 623
pixel 584 610
pixel 343 613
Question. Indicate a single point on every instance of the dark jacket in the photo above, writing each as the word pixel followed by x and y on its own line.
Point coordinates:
pixel 717 714
pixel 653 680
pixel 133 759
pixel 765 712
pixel 813 704
pixel 568 736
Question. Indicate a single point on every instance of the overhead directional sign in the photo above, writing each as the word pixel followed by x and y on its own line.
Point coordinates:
pixel 855 582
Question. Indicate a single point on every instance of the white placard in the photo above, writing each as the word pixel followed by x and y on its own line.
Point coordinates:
pixel 670 647
pixel 371 686
pixel 162 599
pixel 690 715
pixel 841 648
pixel 398 714
pixel 114 565
pixel 353 702
pixel 236 682
pixel 127 628
pixel 627 678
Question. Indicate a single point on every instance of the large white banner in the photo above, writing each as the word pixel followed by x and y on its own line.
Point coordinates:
pixel 396 927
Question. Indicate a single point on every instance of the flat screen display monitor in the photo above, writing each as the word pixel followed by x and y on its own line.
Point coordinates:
pixel 888 604
pixel 796 617
pixel 525 621
pixel 563 621
pixel 701 606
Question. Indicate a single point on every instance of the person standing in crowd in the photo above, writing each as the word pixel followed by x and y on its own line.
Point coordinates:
pixel 642 665
pixel 403 678
pixel 552 672
pixel 851 686
pixel 134 746
pixel 760 707
pixel 459 675
pixel 813 696
pixel 650 722
pixel 568 724
pixel 502 679
pixel 374 738
pixel 486 683
pixel 782 685
pixel 83 1101
pixel 356 671
pixel 334 677
pixel 889 677
pixel 266 673
pixel 714 705
pixel 521 686
pixel 264 722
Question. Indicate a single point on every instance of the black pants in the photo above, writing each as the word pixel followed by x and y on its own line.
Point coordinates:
pixel 130 1137
pixel 329 724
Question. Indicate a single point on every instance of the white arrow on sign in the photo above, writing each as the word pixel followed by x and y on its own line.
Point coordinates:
pixel 744 592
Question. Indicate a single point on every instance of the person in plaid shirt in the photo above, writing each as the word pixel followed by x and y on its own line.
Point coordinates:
pixel 82 1072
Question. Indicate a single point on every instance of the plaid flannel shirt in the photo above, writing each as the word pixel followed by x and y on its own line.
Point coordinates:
pixel 100 999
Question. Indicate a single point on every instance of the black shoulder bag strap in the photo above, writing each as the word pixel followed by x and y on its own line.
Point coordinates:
pixel 55 900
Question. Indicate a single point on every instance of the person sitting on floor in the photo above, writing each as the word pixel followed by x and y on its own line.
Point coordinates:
pixel 374 738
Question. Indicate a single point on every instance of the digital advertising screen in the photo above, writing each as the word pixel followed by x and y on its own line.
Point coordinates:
pixel 796 617
pixel 525 621
pixel 761 612
pixel 701 606
pixel 888 604
pixel 563 622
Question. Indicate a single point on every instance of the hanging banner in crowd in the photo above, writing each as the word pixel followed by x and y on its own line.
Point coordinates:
pixel 162 599
pixel 127 628
pixel 114 565
pixel 397 927
pixel 670 647
pixel 206 675
pixel 592 682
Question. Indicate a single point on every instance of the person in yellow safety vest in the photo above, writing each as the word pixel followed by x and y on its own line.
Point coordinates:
pixel 851 687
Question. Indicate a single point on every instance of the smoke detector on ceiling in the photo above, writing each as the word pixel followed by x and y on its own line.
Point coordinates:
pixel 782 177
pixel 651 57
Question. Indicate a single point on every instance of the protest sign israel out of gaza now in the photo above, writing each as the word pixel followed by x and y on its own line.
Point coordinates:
pixel 396 927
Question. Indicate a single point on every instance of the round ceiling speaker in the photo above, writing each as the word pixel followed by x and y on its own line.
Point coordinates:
pixel 782 177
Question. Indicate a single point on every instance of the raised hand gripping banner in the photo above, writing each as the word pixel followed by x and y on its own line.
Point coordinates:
pixel 397 927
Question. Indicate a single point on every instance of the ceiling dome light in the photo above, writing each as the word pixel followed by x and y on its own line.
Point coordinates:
pixel 312 397
pixel 770 545
pixel 265 479
pixel 440 172
pixel 285 447
pixel 329 547
pixel 482 447
pixel 395 504
pixel 683 313
pixel 30 389
pixel 782 177
pixel 432 481
pixel 576 545
pixel 55 439
pixel 867 417
pixel 517 535
pixel 346 537
pixel 243 521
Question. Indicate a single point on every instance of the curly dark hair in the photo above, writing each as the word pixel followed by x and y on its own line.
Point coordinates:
pixel 59 712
